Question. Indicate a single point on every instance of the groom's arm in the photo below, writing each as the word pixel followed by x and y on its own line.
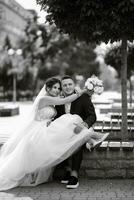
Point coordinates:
pixel 60 111
pixel 89 110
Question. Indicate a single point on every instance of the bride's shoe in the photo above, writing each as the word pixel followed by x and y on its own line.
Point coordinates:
pixel 96 142
pixel 99 141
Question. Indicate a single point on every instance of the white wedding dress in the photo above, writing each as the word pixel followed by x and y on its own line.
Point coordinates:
pixel 29 158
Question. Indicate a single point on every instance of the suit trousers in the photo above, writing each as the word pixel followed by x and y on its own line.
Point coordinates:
pixel 74 162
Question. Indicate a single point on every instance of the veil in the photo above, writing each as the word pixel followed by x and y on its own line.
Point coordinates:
pixel 24 127
pixel 36 101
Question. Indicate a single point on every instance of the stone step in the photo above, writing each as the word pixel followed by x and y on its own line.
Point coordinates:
pixel 116 145
pixel 119 115
pixel 115 110
pixel 110 129
pixel 113 122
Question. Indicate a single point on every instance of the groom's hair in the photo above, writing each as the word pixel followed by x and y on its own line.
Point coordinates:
pixel 67 77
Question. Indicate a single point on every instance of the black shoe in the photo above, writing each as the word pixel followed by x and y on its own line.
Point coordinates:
pixel 66 177
pixel 73 183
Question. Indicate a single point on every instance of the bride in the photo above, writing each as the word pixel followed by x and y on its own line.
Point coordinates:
pixel 28 157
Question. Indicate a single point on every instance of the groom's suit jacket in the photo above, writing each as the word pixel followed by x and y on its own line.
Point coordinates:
pixel 82 107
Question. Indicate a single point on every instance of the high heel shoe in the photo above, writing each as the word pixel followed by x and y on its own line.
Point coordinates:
pixel 96 142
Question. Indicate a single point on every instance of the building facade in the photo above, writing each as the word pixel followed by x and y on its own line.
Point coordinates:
pixel 13 19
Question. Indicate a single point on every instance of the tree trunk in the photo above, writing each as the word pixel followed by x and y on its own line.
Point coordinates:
pixel 124 127
pixel 4 92
pixel 130 92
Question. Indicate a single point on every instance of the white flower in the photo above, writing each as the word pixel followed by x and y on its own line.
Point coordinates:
pixel 94 84
pixel 99 83
pixel 101 89
pixel 94 81
pixel 96 89
pixel 89 86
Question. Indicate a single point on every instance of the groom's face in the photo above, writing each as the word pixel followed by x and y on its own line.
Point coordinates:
pixel 68 86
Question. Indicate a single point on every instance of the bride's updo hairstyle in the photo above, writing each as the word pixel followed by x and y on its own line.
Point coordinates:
pixel 52 81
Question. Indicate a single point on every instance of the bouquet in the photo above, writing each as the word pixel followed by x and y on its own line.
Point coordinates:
pixel 94 84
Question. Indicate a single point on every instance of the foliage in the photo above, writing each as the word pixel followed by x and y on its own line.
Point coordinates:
pixel 36 38
pixel 113 58
pixel 66 55
pixel 46 53
pixel 26 82
pixel 5 66
pixel 83 60
pixel 97 20
pixel 8 63
pixel 92 20
pixel 5 79
pixel 7 43
pixel 33 47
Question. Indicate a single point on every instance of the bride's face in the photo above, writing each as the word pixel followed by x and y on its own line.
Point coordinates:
pixel 55 90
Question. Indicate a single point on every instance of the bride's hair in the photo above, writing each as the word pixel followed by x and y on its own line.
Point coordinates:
pixel 52 81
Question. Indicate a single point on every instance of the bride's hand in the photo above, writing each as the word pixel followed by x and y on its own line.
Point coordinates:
pixel 78 90
pixel 89 92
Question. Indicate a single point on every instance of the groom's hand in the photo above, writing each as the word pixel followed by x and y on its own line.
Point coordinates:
pixel 48 123
pixel 90 92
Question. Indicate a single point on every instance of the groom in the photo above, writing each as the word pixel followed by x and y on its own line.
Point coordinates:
pixel 85 109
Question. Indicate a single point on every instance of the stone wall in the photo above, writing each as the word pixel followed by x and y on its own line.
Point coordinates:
pixel 110 160
pixel 114 162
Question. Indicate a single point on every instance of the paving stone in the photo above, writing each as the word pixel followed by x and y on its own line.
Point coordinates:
pixel 119 189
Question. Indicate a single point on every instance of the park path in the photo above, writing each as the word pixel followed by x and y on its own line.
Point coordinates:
pixel 88 190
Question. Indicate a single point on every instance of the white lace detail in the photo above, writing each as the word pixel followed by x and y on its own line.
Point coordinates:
pixel 45 113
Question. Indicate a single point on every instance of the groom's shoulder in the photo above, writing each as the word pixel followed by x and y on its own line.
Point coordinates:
pixel 84 98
